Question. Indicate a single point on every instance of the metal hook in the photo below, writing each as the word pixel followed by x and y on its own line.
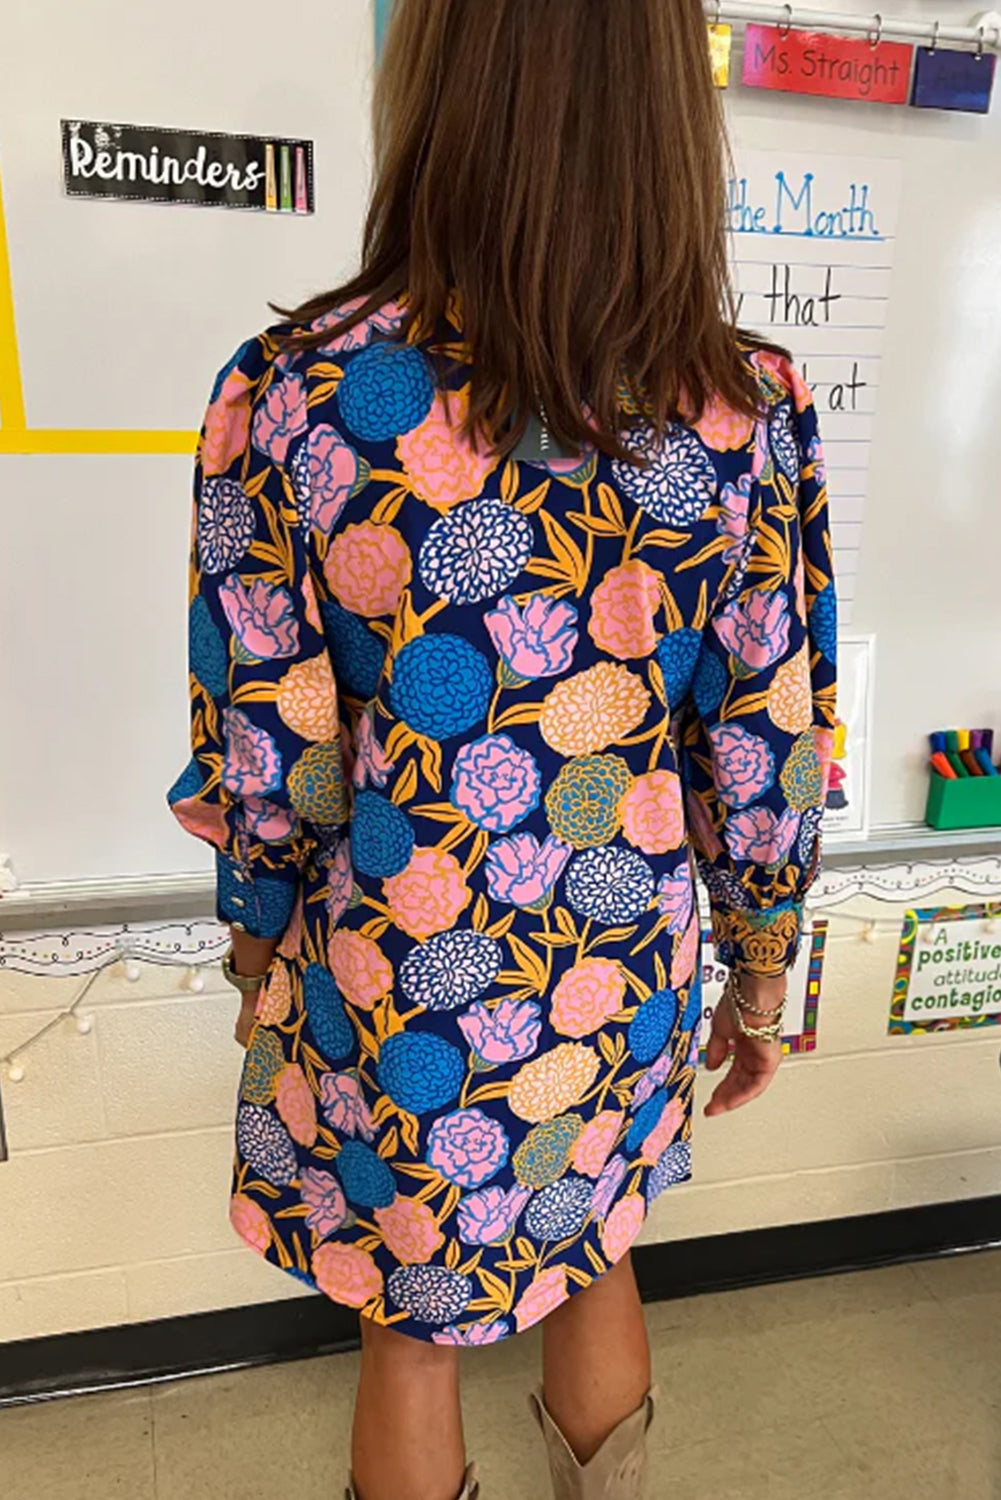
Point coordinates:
pixel 934 36
pixel 877 37
pixel 980 43
pixel 785 30
pixel 716 22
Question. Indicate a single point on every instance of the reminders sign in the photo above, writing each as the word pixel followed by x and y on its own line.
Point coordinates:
pixel 806 62
pixel 154 165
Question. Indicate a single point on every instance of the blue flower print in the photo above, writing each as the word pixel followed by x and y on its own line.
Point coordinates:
pixel 677 655
pixel 441 686
pixel 610 885
pixel 451 969
pixel 725 888
pixel 652 1024
pixel 188 784
pixel 420 1071
pixel 430 1294
pixel 387 390
pixel 646 1118
pixel 709 684
pixel 476 551
pixel 272 900
pixel 783 442
pixel 823 615
pixel 365 1177
pixel 266 1144
pixel 332 1030
pixel 226 524
pixel 382 837
pixel 693 1005
pixel 561 1210
pixel 357 656
pixel 207 655
pixel 232 364
pixel 675 1165
pixel 678 483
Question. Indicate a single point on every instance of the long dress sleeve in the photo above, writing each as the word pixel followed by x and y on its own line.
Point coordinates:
pixel 265 775
pixel 758 743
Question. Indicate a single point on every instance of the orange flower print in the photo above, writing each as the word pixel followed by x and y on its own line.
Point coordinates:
pixel 250 1222
pixel 623 607
pixel 593 709
pixel 429 894
pixel 596 1142
pixel 346 1274
pixel 307 699
pixel 653 813
pixel 367 568
pixel 665 1130
pixel 443 467
pixel 276 997
pixel 544 1294
pixel 363 972
pixel 790 695
pixel 622 1226
pixel 296 1105
pixel 587 996
pixel 409 1230
pixel 723 429
pixel 553 1083
pixel 291 943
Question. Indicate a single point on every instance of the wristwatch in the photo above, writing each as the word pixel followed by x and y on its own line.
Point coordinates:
pixel 247 984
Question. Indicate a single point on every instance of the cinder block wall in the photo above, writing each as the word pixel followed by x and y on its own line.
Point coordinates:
pixel 113 1202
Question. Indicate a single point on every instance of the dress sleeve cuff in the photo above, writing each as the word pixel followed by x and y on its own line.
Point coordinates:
pixel 759 942
pixel 259 904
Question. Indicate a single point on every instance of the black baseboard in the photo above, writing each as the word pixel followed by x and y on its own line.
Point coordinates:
pixel 70 1363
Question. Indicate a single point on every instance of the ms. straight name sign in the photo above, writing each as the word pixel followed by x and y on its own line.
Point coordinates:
pixel 838 67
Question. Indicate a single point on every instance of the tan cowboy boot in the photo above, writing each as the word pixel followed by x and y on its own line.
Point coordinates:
pixel 618 1471
pixel 470 1490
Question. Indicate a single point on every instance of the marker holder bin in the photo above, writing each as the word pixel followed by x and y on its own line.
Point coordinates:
pixel 968 802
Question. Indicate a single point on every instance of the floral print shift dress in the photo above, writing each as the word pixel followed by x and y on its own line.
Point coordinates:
pixel 463 729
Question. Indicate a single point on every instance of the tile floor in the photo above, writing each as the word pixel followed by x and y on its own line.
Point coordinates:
pixel 880 1385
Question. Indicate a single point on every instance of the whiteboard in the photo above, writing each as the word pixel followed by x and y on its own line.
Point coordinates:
pixel 125 311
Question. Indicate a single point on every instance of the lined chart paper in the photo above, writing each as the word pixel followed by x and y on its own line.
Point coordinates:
pixel 812 240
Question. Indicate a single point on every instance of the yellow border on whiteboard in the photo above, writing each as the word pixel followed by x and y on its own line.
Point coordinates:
pixel 15 434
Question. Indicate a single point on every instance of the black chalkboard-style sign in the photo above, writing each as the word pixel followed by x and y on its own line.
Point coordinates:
pixel 153 165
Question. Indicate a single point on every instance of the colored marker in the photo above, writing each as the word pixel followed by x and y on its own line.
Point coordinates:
pixel 978 738
pixel 301 193
pixel 270 182
pixel 944 744
pixel 964 749
pixel 943 767
pixel 285 158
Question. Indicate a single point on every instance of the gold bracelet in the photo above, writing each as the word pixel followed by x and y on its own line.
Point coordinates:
pixel 769 1033
pixel 247 984
pixel 755 1010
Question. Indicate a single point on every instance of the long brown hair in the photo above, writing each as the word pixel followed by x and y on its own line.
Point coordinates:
pixel 562 165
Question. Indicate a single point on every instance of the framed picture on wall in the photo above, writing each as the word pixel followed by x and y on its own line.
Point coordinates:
pixel 847 814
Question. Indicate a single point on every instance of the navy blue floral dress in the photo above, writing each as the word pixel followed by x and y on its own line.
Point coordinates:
pixel 462 730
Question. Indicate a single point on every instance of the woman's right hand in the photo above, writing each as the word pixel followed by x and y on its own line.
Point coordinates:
pixel 754 1064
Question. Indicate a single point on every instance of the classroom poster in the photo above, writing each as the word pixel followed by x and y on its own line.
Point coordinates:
pixel 812 242
pixel 847 812
pixel 948 969
pixel 805 980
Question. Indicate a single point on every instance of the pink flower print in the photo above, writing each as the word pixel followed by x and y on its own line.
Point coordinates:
pixel 262 618
pixel 608 1185
pixel 505 1034
pixel 686 955
pixel 250 1222
pixel 346 1274
pixel 409 1231
pixel 654 1077
pixel 367 568
pixel 333 474
pixel 758 836
pixel 206 820
pixel 733 519
pixel 722 429
pixel 443 466
pixel 824 741
pixel 427 896
pixel 473 1335
pixel 291 943
pixel 544 1295
pixel 268 821
pixel 372 766
pixel 623 608
pixel 363 972
pixel 280 417
pixel 340 881
pixel 252 763
pixel 761 453
pixel 622 1226
pixel 344 1107
pixel 653 813
pixel 227 425
pixel 538 640
pixel 596 1142
pixel 743 764
pixel 815 456
pixel 323 1196
pixel 521 871
pixel 703 833
pixel 467 1147
pixel 495 782
pixel 295 1104
pixel 587 996
pixel 756 629
pixel 675 897
pixel 489 1216
pixel 665 1130
pixel 387 319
